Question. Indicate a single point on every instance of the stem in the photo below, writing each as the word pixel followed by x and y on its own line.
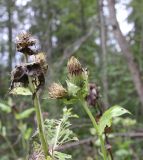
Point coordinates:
pixel 57 134
pixel 39 117
pixel 40 124
pixel 86 108
pixel 22 136
pixel 10 146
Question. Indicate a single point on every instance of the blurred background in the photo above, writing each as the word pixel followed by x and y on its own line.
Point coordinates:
pixel 107 37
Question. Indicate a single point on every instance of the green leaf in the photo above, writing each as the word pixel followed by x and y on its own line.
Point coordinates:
pixel 5 108
pixel 21 91
pixel 72 88
pixel 71 100
pixel 58 133
pixel 27 133
pixel 106 119
pixel 25 114
pixel 4 131
pixel 62 156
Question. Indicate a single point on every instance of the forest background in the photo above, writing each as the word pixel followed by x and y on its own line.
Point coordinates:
pixel 107 37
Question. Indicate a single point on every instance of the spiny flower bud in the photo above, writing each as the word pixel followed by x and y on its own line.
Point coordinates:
pixel 23 43
pixel 74 67
pixel 57 91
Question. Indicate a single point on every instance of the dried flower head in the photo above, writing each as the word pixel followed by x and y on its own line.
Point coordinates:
pixel 93 94
pixel 74 67
pixel 40 58
pixel 23 43
pixel 57 91
pixel 21 73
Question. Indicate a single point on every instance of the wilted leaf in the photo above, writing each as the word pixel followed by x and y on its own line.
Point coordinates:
pixel 106 118
pixel 25 114
pixel 21 91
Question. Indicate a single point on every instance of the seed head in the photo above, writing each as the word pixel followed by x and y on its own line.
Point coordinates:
pixel 23 43
pixel 57 91
pixel 40 58
pixel 74 67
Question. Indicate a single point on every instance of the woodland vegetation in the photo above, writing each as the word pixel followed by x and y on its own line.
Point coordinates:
pixel 68 73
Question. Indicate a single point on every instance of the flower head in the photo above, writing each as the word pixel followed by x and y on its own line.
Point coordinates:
pixel 57 91
pixel 74 67
pixel 24 41
pixel 40 58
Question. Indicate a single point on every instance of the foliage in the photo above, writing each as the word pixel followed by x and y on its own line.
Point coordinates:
pixel 58 25
pixel 58 133
pixel 106 118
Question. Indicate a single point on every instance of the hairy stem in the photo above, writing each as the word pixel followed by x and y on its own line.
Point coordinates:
pixel 39 117
pixel 103 149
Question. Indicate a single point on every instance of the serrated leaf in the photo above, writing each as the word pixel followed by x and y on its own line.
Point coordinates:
pixel 72 88
pixel 25 114
pixel 58 133
pixel 21 91
pixel 106 119
pixel 4 107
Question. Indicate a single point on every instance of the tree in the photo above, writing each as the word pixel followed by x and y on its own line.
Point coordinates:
pixel 103 37
pixel 127 52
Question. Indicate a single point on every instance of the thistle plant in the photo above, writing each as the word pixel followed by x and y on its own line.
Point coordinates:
pixel 30 76
pixel 80 90
pixel 27 79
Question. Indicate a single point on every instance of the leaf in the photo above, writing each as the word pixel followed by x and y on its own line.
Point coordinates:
pixel 70 101
pixel 3 131
pixel 5 108
pixel 58 133
pixel 25 114
pixel 21 91
pixel 27 133
pixel 106 118
pixel 62 156
pixel 72 88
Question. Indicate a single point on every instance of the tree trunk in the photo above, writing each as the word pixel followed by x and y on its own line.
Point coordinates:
pixel 125 47
pixel 103 37
pixel 9 26
pixel 82 15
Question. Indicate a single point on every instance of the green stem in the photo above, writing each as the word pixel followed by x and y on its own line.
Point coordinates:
pixel 40 124
pixel 39 117
pixel 86 108
pixel 22 134
pixel 10 146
